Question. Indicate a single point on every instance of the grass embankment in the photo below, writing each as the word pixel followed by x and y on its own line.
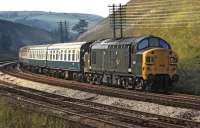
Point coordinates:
pixel 14 117
pixel 175 21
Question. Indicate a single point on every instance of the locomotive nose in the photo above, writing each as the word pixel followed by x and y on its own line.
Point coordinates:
pixel 159 62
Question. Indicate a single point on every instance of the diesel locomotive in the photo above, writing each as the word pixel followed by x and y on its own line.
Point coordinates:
pixel 144 63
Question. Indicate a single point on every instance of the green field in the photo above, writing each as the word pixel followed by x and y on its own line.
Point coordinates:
pixel 14 117
pixel 178 22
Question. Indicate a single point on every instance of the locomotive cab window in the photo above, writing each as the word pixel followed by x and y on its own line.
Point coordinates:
pixel 153 42
pixel 163 44
pixel 143 44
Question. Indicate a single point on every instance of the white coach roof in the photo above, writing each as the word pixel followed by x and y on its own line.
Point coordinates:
pixel 66 45
pixel 57 46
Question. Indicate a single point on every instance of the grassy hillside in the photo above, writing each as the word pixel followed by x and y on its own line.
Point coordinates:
pixel 178 22
pixel 47 20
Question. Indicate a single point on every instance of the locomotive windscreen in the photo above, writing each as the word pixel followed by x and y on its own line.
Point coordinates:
pixel 152 42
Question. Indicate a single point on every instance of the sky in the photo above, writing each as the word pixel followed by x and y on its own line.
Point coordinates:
pixel 99 7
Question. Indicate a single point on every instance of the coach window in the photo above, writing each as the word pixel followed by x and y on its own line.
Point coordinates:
pixel 65 55
pixel 54 58
pixel 73 55
pixel 57 55
pixel 53 54
pixel 41 54
pixel 33 54
pixel 69 55
pixel 49 55
pixel 61 55
pixel 29 54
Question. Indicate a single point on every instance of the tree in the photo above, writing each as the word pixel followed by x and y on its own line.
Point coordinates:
pixel 81 26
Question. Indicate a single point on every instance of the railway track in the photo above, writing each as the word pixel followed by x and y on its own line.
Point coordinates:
pixel 104 114
pixel 176 100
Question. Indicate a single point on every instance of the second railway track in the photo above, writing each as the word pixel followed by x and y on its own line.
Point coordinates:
pixel 107 114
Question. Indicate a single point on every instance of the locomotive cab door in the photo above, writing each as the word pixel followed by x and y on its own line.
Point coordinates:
pixel 136 62
pixel 86 62
pixel 138 65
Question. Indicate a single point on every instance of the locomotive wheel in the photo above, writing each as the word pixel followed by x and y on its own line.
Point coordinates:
pixel 124 83
pixel 140 85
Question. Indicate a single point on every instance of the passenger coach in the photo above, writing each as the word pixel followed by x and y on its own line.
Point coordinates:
pixel 51 58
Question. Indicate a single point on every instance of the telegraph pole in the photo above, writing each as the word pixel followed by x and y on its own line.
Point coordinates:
pixel 60 28
pixel 67 29
pixel 117 19
pixel 120 18
pixel 114 27
pixel 63 27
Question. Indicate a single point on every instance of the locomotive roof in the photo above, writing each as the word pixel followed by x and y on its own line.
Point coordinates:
pixel 124 41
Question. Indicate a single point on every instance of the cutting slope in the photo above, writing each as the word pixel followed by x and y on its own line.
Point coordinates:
pixel 176 21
